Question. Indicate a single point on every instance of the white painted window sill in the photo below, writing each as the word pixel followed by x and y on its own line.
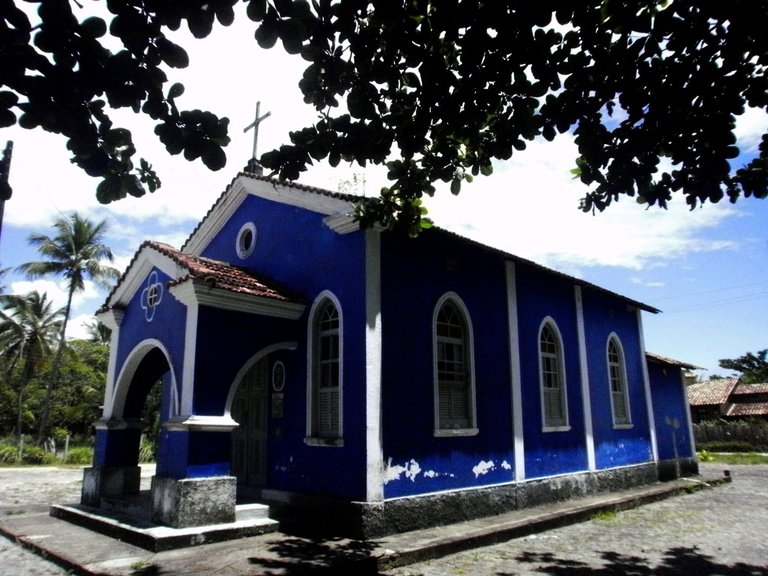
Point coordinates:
pixel 326 442
pixel 450 432
pixel 556 429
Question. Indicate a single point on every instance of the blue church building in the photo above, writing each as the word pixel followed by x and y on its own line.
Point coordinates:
pixel 397 382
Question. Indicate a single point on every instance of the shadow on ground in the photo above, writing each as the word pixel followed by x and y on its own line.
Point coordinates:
pixel 676 562
pixel 318 556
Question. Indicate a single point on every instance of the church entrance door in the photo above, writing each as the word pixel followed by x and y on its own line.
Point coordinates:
pixel 249 439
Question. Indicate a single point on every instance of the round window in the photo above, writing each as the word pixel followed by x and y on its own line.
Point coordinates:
pixel 278 376
pixel 246 240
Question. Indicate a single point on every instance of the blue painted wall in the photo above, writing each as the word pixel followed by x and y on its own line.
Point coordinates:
pixel 415 275
pixel 604 315
pixel 542 295
pixel 670 411
pixel 294 248
pixel 167 325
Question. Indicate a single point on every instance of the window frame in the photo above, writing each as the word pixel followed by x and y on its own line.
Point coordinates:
pixel 467 341
pixel 245 250
pixel 559 362
pixel 314 436
pixel 621 367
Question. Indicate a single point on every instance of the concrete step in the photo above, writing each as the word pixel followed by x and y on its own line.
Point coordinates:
pixel 251 511
pixel 154 537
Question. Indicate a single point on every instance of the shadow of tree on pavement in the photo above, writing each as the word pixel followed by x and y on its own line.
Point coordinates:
pixel 338 556
pixel 679 561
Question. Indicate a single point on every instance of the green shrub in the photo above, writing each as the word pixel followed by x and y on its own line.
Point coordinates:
pixel 9 454
pixel 81 455
pixel 36 455
pixel 147 451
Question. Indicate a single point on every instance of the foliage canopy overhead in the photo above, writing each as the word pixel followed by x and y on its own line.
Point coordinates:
pixel 436 90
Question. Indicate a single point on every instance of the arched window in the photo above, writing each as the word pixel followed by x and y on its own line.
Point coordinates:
pixel 617 374
pixel 454 379
pixel 554 406
pixel 325 396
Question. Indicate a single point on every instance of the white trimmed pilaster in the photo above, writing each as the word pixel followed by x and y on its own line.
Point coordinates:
pixel 112 320
pixel 373 433
pixel 647 382
pixel 514 367
pixel 687 412
pixel 589 439
pixel 190 350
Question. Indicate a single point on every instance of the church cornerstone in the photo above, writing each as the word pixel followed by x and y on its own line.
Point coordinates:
pixel 186 502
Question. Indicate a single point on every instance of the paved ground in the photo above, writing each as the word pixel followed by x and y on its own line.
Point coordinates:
pixel 20 487
pixel 721 532
pixel 713 532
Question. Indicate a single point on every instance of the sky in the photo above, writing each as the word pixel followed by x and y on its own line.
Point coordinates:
pixel 706 269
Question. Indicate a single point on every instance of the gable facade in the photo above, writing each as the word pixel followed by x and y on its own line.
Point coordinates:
pixel 381 372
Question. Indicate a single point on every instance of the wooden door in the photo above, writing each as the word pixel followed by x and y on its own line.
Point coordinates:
pixel 249 439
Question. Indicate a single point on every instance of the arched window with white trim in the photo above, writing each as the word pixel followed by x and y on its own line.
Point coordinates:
pixel 454 373
pixel 325 387
pixel 617 376
pixel 554 405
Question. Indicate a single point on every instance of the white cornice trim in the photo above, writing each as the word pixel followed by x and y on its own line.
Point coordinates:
pixel 111 318
pixel 194 291
pixel 204 423
pixel 216 218
pixel 269 190
pixel 342 223
pixel 136 274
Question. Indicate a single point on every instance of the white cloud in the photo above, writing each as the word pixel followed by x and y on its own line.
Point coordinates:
pixel 57 292
pixel 529 207
pixel 77 327
pixel 750 128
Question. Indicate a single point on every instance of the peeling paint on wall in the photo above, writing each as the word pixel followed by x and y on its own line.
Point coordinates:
pixel 411 470
pixel 506 465
pixel 483 467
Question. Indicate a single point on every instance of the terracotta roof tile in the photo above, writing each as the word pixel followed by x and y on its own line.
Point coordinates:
pixel 213 272
pixel 711 392
pixel 748 409
pixel 219 274
pixel 751 389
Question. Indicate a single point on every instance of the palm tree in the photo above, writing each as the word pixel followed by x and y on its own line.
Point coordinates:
pixel 29 327
pixel 98 333
pixel 76 252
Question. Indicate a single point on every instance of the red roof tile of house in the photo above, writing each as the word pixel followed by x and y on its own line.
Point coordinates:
pixel 219 274
pixel 711 392
pixel 748 409
pixel 751 389
pixel 215 273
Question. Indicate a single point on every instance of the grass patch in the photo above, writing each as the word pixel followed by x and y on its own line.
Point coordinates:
pixel 735 458
pixel 604 515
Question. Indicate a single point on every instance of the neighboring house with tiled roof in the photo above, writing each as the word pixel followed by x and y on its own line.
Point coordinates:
pixel 398 382
pixel 727 398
